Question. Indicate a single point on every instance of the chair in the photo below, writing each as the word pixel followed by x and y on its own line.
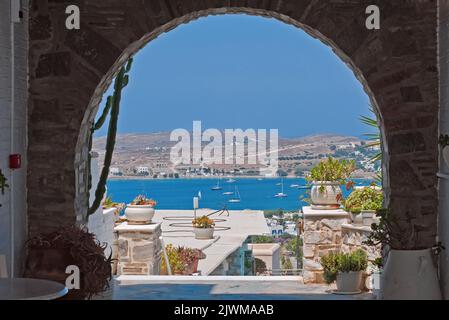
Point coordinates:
pixel 3 269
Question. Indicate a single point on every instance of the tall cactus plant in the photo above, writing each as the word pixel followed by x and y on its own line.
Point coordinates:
pixel 113 108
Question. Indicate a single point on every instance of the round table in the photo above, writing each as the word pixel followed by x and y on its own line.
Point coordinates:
pixel 31 289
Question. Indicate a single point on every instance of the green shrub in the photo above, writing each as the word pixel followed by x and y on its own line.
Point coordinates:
pixel 333 263
pixel 367 198
pixel 332 170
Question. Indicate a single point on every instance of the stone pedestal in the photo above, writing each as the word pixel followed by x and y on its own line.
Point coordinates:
pixel 322 234
pixel 139 249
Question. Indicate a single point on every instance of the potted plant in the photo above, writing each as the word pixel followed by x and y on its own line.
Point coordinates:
pixel 182 260
pixel 203 227
pixel 108 203
pixel 409 272
pixel 326 179
pixel 3 184
pixel 346 269
pixel 363 203
pixel 140 210
pixel 48 256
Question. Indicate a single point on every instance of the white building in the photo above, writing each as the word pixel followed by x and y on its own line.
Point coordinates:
pixel 115 171
pixel 276 230
pixel 290 228
pixel 143 170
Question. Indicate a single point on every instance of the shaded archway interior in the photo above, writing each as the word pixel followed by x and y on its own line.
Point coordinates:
pixel 396 66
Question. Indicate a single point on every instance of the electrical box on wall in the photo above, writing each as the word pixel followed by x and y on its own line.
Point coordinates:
pixel 16 11
pixel 15 161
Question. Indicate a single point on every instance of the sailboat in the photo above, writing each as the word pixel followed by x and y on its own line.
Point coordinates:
pixel 294 186
pixel 281 194
pixel 217 186
pixel 237 198
pixel 230 180
pixel 228 193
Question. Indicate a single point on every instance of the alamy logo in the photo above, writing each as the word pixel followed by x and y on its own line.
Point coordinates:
pixel 373 20
pixel 73 280
pixel 237 147
pixel 73 21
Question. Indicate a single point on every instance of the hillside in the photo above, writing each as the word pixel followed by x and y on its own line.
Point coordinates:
pixel 296 155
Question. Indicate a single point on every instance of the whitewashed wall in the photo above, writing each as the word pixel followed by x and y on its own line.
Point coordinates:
pixel 443 221
pixel 17 178
pixel 102 222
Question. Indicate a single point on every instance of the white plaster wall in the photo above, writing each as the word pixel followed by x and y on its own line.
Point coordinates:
pixel 102 222
pixel 443 220
pixel 17 179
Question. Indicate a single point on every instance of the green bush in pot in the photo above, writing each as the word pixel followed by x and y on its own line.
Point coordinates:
pixel 326 179
pixel 364 199
pixel 332 170
pixel 367 198
pixel 346 269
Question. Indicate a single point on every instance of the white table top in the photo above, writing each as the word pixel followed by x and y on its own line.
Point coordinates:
pixel 30 289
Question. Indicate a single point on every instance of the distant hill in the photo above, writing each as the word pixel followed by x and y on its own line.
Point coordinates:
pixel 295 154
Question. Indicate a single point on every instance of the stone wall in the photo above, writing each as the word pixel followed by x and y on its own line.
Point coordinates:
pixel 353 238
pixel 322 234
pixel 13 140
pixel 326 231
pixel 139 249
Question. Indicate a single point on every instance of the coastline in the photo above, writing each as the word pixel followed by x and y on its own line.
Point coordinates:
pixel 118 178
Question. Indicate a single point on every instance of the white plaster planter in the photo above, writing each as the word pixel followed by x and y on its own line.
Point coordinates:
pixel 203 233
pixel 327 198
pixel 349 282
pixel 368 217
pixel 139 214
pixel 373 282
pixel 410 275
pixel 357 218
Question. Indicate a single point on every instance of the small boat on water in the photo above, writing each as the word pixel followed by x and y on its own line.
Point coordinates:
pixel 228 193
pixel 236 199
pixel 294 186
pixel 217 186
pixel 281 194
pixel 230 180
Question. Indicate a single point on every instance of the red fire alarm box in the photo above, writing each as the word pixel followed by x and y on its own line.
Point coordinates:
pixel 15 161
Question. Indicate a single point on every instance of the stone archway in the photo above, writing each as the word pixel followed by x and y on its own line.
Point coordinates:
pixel 71 69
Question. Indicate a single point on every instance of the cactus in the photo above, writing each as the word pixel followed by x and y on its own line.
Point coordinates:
pixel 113 108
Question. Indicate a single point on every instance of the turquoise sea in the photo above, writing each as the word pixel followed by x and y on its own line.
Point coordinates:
pixel 178 193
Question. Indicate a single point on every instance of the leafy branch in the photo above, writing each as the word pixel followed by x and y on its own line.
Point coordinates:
pixel 374 138
pixel 3 183
pixel 443 140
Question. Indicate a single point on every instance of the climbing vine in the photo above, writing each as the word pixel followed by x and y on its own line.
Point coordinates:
pixel 112 108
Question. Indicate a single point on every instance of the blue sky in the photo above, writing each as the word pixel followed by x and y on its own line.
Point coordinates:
pixel 238 71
